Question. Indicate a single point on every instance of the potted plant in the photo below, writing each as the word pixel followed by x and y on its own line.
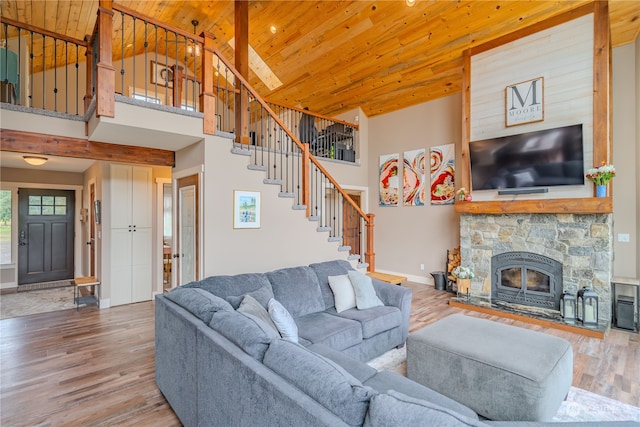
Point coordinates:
pixel 463 277
pixel 601 176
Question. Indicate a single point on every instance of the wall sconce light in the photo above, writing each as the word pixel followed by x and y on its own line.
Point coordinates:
pixel 35 160
pixel 194 49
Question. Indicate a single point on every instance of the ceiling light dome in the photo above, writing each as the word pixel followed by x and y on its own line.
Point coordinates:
pixel 35 160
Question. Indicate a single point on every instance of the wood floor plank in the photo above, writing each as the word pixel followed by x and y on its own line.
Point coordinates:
pixel 96 367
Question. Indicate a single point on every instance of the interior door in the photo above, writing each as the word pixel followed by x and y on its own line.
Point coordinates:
pixel 92 231
pixel 352 224
pixel 187 224
pixel 45 235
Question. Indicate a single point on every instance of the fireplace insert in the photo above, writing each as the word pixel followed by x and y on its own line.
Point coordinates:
pixel 526 278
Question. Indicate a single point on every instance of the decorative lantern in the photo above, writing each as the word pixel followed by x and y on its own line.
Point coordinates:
pixel 587 302
pixel 568 307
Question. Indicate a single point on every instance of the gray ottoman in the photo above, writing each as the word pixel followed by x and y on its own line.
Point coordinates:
pixel 502 372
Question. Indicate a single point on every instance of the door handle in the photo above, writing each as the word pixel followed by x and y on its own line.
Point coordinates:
pixel 22 242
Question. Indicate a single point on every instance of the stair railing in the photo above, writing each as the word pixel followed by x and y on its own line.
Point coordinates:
pixel 328 137
pixel 288 162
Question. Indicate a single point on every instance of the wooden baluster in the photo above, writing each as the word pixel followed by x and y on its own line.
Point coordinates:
pixel 178 75
pixel 207 97
pixel 370 255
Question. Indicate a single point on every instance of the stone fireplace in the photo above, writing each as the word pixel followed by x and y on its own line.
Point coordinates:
pixel 581 244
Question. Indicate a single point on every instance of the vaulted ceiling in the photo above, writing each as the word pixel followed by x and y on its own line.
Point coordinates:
pixel 334 56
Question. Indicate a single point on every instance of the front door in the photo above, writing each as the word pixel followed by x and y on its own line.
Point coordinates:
pixel 45 235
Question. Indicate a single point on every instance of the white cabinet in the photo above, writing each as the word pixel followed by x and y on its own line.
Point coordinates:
pixel 131 234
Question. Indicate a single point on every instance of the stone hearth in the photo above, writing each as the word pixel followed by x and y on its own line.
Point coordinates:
pixel 582 243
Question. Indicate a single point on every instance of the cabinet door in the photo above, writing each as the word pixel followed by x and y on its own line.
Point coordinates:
pixel 141 192
pixel 121 196
pixel 120 266
pixel 141 265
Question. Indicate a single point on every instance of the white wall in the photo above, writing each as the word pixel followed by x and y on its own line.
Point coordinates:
pixel 285 239
pixel 407 236
pixel 626 152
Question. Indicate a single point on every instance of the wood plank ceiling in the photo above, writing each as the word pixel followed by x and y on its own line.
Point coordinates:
pixel 334 56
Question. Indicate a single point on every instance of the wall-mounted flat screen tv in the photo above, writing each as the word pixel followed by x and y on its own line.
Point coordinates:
pixel 542 158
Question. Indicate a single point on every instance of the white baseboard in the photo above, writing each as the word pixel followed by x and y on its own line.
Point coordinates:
pixel 8 285
pixel 105 303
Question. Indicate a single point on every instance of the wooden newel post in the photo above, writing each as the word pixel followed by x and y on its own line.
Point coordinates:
pixel 370 255
pixel 178 75
pixel 306 167
pixel 88 95
pixel 106 74
pixel 207 97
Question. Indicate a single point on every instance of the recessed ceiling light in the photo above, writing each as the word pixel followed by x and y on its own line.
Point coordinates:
pixel 273 29
pixel 35 160
pixel 411 3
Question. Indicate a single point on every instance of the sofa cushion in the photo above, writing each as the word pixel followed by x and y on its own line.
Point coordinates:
pixel 262 296
pixel 245 330
pixel 374 320
pixel 198 302
pixel 238 285
pixel 360 370
pixel 397 409
pixel 251 306
pixel 363 289
pixel 332 387
pixel 283 321
pixel 335 331
pixel 329 268
pixel 297 290
pixel 343 294
pixel 384 381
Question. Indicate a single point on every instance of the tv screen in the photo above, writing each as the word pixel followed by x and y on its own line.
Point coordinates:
pixel 543 158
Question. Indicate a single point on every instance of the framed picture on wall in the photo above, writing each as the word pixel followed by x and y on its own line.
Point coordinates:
pixel 524 102
pixel 246 209
pixel 161 74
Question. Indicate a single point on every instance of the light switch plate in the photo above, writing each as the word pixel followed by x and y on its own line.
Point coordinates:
pixel 623 237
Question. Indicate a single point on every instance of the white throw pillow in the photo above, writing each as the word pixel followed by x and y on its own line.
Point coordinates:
pixel 343 294
pixel 283 321
pixel 366 296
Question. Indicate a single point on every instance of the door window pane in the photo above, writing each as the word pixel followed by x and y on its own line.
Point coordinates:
pixel 61 201
pixel 47 200
pixel 35 200
pixel 61 210
pixel 35 210
pixel 47 210
pixel 5 226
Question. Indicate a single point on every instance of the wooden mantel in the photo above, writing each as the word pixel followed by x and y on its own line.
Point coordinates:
pixel 589 205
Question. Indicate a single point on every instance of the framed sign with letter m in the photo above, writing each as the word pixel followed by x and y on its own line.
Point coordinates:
pixel 525 102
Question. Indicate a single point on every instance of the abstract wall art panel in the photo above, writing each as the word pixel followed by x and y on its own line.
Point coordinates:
pixel 442 174
pixel 389 180
pixel 414 176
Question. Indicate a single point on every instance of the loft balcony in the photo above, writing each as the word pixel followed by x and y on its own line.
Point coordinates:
pixel 166 89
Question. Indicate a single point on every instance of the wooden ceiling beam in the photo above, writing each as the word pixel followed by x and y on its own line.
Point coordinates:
pixel 44 144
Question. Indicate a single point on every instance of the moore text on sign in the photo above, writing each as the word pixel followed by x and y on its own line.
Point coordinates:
pixel 525 102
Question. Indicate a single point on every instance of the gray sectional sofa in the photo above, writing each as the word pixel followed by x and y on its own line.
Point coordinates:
pixel 222 366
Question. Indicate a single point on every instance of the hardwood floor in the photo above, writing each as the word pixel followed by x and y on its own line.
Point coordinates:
pixel 96 367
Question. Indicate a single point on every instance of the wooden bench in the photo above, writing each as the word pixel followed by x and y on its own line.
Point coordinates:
pixel 389 278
